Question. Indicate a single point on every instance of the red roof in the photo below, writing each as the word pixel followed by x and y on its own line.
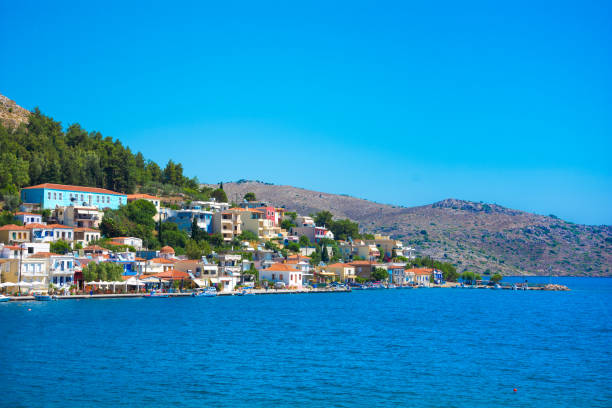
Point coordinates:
pixel 73 188
pixel 161 261
pixel 279 267
pixel 167 250
pixel 94 248
pixel 141 197
pixel 59 226
pixel 33 225
pixel 26 213
pixel 340 265
pixel 172 274
pixel 12 227
pixel 421 271
pixel 85 229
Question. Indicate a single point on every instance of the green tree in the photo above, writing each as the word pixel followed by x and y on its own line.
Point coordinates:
pixel 323 219
pixel 219 195
pixel 344 229
pixel 496 278
pixel 287 225
pixel 60 247
pixel 304 241
pixel 250 197
pixel 247 235
pixel 380 274
pixel 293 246
pixel 7 217
pixel 193 249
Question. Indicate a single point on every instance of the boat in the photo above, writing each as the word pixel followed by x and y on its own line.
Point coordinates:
pixel 156 295
pixel 4 298
pixel 43 298
pixel 210 292
pixel 245 293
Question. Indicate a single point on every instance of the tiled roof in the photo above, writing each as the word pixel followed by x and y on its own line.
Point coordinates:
pixel 85 229
pixel 340 265
pixel 420 271
pixel 59 226
pixel 172 274
pixel 12 227
pixel 34 225
pixel 73 188
pixel 26 213
pixel 161 261
pixel 141 197
pixel 279 267
pixel 167 250
pixel 359 263
pixel 94 248
pixel 43 255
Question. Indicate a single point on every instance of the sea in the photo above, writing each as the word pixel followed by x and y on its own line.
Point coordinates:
pixel 372 348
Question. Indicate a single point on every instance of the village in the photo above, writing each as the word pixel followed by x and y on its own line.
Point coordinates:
pixel 272 258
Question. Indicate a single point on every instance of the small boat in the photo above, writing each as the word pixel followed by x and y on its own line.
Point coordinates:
pixel 210 292
pixel 156 295
pixel 391 286
pixel 43 298
pixel 4 298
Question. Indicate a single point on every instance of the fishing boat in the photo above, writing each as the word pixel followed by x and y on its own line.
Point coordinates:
pixel 154 294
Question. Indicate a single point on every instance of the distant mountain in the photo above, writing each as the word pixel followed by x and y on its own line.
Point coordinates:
pixel 474 236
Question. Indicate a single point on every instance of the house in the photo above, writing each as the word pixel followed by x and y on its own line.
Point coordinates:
pixel 85 236
pixel 275 215
pixel 51 196
pixel 184 219
pixel 230 268
pixel 173 275
pixel 130 241
pixel 155 266
pixel 438 277
pixel 79 216
pixel 359 248
pixel 156 201
pixel 167 252
pixel 279 272
pixel 388 246
pixel 214 206
pixel 60 267
pixel 28 217
pixel 344 272
pixel 313 233
pixel 257 222
pixel 27 248
pixel 303 221
pixel 364 269
pixel 301 263
pixel 14 234
pixel 397 273
pixel 62 232
pixel 422 276
pixel 228 224
pixel 201 273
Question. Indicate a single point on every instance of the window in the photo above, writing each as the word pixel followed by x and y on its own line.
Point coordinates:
pixel 97 199
pixel 281 276
pixel 273 276
pixel 49 195
pixel 55 196
pixel 60 196
pixel 82 197
pixel 14 235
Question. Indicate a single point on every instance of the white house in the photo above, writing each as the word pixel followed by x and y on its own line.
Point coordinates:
pixel 28 217
pixel 279 272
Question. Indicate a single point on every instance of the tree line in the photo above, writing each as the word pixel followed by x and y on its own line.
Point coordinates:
pixel 42 152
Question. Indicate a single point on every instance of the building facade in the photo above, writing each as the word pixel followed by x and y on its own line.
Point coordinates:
pixel 51 196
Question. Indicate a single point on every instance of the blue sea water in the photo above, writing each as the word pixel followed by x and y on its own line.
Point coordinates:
pixel 402 347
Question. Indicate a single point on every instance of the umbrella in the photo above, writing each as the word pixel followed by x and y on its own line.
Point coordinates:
pixel 92 283
pixel 7 284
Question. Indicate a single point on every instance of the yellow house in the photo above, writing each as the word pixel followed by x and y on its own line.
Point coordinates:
pixel 11 234
pixel 344 272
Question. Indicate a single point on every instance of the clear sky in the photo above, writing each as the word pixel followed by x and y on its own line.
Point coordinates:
pixel 405 103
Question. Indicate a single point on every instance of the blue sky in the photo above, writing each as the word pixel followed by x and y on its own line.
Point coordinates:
pixel 397 102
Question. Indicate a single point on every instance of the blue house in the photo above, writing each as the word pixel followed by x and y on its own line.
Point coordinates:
pixel 438 277
pixel 50 196
pixel 184 219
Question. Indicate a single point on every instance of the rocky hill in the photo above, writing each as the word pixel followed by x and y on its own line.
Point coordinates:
pixel 474 236
pixel 11 114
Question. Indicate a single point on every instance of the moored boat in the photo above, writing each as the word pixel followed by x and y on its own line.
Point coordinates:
pixel 156 295
pixel 4 298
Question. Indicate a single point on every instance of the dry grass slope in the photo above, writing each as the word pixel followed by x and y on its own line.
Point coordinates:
pixel 474 236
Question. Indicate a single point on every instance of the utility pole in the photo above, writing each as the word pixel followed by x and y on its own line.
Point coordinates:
pixel 19 272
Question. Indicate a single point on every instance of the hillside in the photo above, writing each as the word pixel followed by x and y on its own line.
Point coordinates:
pixel 11 114
pixel 474 236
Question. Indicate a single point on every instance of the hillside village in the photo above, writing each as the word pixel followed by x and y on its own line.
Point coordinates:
pixel 63 238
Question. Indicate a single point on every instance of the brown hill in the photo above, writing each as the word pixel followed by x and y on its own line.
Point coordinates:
pixel 11 114
pixel 473 236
